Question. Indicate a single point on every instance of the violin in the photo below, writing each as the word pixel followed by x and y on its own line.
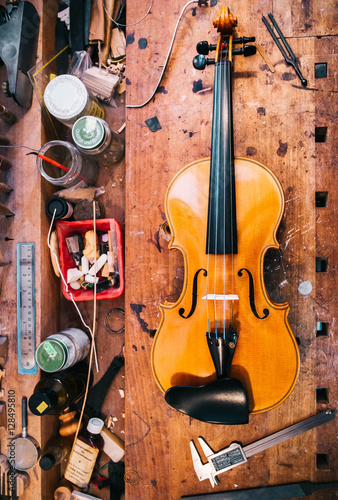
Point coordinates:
pixel 224 340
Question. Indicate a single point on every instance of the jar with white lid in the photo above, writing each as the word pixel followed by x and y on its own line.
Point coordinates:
pixel 94 137
pixel 67 99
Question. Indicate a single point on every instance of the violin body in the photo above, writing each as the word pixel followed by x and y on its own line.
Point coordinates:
pixel 266 358
pixel 223 214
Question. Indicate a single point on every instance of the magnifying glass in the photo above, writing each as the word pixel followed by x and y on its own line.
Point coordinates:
pixel 23 451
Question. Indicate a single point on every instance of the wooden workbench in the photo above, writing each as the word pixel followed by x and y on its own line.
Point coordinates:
pixel 275 122
pixel 53 312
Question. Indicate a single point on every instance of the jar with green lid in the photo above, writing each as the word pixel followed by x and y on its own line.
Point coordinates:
pixel 67 98
pixel 93 136
pixel 62 350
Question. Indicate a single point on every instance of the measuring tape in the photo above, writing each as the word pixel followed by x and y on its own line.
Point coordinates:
pixel 26 308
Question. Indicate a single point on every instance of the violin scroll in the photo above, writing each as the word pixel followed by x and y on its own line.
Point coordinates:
pixel 225 22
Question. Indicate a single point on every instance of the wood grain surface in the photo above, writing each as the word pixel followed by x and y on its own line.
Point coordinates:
pixel 53 311
pixel 274 120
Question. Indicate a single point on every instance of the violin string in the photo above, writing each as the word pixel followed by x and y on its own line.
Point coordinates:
pixel 218 121
pixel 232 201
pixel 224 217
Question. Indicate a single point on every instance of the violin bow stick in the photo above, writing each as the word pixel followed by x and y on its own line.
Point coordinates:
pixel 289 57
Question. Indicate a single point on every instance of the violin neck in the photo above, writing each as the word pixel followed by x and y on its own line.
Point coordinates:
pixel 222 231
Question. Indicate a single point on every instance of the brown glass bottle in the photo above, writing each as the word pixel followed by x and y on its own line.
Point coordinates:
pixel 84 454
pixel 58 391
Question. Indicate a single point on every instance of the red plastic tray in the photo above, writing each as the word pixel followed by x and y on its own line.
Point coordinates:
pixel 65 229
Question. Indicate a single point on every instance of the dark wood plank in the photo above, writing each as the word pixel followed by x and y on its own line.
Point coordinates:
pixel 274 121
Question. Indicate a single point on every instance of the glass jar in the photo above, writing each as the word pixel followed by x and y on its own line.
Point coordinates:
pixel 67 98
pixel 93 137
pixel 62 350
pixel 61 164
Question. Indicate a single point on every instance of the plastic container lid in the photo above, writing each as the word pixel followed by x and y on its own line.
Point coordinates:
pixel 43 401
pixel 65 97
pixel 88 132
pixel 58 204
pixel 95 425
pixel 47 461
pixel 51 355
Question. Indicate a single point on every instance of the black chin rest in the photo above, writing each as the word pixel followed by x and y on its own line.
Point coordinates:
pixel 223 401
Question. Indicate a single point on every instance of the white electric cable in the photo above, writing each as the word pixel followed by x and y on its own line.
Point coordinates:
pixel 167 58
pixel 70 293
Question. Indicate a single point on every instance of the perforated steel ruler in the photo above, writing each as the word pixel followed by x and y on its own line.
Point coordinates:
pixel 26 308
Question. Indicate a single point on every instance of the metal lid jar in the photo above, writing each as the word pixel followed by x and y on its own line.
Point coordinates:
pixel 67 98
pixel 93 136
pixel 62 350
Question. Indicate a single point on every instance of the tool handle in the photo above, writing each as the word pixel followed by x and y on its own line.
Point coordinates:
pixel 24 416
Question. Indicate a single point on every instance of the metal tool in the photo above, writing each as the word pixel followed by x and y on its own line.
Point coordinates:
pixel 235 454
pixel 19 32
pixel 282 491
pixel 23 451
pixel 288 55
pixel 26 308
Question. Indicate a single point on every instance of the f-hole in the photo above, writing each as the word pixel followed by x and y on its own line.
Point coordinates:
pixel 181 311
pixel 266 312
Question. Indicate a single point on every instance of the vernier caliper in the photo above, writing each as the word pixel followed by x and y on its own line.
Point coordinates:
pixel 235 454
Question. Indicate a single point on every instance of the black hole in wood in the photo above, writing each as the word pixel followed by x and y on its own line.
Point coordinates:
pixel 322 329
pixel 320 70
pixel 321 198
pixel 322 461
pixel 322 395
pixel 320 134
pixel 321 264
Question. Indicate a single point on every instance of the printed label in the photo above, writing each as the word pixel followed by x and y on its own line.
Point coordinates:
pixel 96 110
pixel 42 406
pixel 81 464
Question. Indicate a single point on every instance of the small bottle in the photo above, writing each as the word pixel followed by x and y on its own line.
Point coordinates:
pixel 56 450
pixel 93 137
pixel 62 350
pixel 62 208
pixel 68 423
pixel 57 391
pixel 64 490
pixel 84 455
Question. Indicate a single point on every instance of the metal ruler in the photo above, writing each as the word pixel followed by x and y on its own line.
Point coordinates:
pixel 26 308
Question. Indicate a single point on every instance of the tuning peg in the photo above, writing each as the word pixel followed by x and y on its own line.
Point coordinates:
pixel 244 39
pixel 200 62
pixel 247 50
pixel 204 48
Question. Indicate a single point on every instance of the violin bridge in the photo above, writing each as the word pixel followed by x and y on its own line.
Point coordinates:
pixel 220 296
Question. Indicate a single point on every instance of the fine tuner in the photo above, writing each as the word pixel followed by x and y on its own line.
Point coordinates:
pixel 203 49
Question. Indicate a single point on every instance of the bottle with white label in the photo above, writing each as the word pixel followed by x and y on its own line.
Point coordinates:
pixel 84 454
